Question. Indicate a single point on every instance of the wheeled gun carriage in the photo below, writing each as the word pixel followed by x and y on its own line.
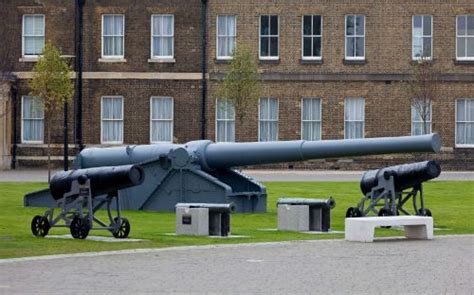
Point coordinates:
pixel 390 188
pixel 80 193
pixel 201 171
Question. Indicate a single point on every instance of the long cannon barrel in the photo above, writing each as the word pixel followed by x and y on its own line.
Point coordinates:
pixel 103 180
pixel 211 155
pixel 405 176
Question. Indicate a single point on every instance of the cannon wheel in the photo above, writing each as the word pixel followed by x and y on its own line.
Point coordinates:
pixel 79 227
pixel 124 229
pixel 427 212
pixel 385 212
pixel 40 226
pixel 353 212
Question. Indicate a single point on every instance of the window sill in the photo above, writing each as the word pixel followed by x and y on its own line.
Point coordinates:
pixel 162 60
pixel 311 61
pixel 464 62
pixel 29 59
pixel 415 62
pixel 111 143
pixel 275 61
pixel 112 60
pixel 33 143
pixel 464 146
pixel 351 62
pixel 222 61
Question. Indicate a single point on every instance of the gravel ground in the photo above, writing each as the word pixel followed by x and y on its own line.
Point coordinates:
pixel 261 175
pixel 443 265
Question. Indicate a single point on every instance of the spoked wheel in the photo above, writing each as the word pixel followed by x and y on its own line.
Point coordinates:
pixel 426 213
pixel 79 227
pixel 353 212
pixel 40 226
pixel 123 230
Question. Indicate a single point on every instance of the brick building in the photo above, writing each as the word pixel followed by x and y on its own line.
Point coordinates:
pixel 330 70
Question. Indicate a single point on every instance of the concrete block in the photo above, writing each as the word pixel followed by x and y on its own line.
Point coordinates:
pixel 192 221
pixel 293 217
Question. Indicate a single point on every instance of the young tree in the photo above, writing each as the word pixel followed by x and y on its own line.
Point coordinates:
pixel 241 84
pixel 51 83
pixel 423 90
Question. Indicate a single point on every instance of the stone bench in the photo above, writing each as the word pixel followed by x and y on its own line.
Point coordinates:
pixel 361 229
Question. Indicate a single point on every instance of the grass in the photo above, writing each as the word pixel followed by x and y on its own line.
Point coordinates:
pixel 452 204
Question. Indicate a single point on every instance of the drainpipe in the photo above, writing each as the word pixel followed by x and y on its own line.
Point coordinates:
pixel 14 119
pixel 78 67
pixel 203 66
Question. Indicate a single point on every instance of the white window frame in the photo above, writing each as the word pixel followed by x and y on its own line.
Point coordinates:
pixel 23 34
pixel 430 121
pixel 354 36
pixel 217 36
pixel 269 36
pixel 102 120
pixel 363 121
pixel 123 37
pixel 22 123
pixel 320 117
pixel 267 120
pixel 466 58
pixel 311 36
pixel 456 125
pixel 154 35
pixel 161 120
pixel 422 36
pixel 225 122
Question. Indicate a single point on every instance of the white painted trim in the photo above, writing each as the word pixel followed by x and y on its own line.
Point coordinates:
pixel 355 36
pixel 320 117
pixel 456 125
pixel 269 36
pixel 23 34
pixel 277 119
pixel 102 38
pixel 467 58
pixel 162 60
pixel 112 60
pixel 312 36
pixel 101 121
pixel 43 158
pixel 161 57
pixel 217 36
pixel 413 57
pixel 151 119
pixel 363 121
pixel 23 141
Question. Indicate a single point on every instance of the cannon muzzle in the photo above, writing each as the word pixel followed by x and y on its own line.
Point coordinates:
pixel 104 180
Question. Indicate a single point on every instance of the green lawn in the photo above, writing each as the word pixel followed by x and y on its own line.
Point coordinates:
pixel 452 205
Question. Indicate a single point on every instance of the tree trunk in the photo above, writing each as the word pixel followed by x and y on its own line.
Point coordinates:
pixel 49 149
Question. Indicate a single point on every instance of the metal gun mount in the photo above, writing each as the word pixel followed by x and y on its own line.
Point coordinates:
pixel 201 171
pixel 387 188
pixel 80 193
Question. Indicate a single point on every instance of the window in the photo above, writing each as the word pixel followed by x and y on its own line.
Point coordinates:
pixel 113 27
pixel 465 37
pixel 225 121
pixel 420 109
pixel 422 32
pixel 161 119
pixel 268 119
pixel 226 36
pixel 32 120
pixel 312 34
pixel 354 115
pixel 33 35
pixel 311 119
pixel 465 122
pixel 355 37
pixel 112 119
pixel 269 37
pixel 162 35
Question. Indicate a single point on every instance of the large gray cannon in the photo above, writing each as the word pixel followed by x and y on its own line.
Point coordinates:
pixel 201 171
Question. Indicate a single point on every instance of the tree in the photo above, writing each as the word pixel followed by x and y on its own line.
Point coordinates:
pixel 51 83
pixel 241 84
pixel 423 90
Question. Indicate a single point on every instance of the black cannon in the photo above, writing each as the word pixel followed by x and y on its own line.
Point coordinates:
pixel 80 193
pixel 392 187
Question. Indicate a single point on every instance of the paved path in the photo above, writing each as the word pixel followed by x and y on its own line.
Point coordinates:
pixel 261 175
pixel 443 265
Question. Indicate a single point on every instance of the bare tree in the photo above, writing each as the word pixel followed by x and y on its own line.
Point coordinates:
pixel 423 90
